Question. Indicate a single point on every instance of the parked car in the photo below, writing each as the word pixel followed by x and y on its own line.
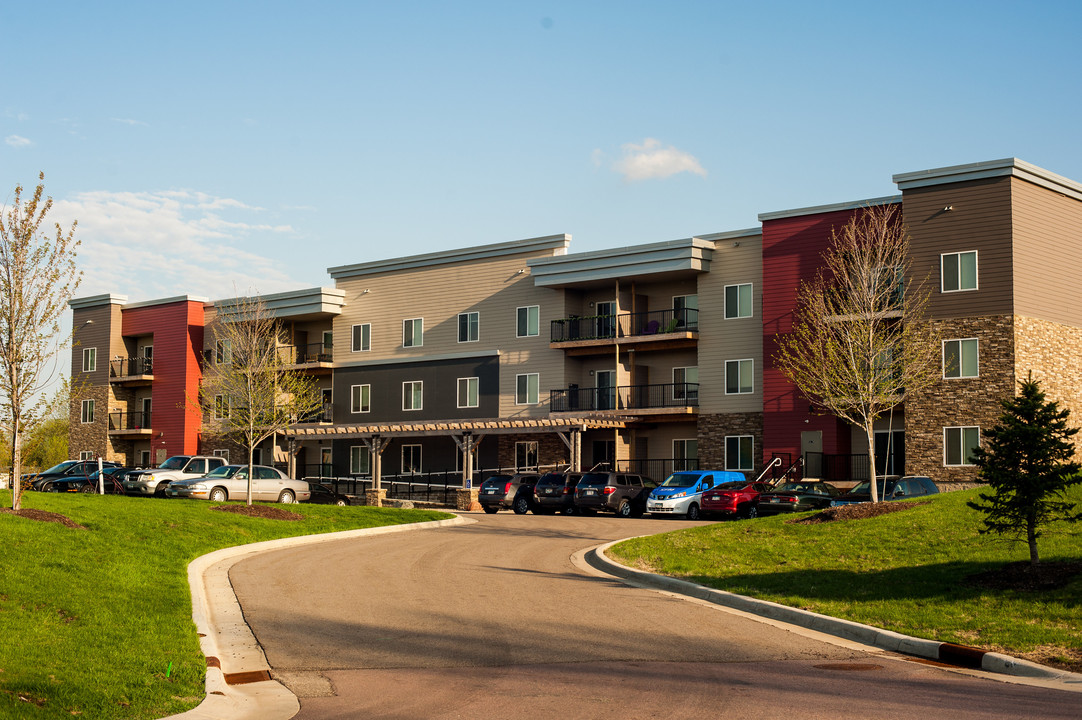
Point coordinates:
pixel 797 497
pixel 622 493
pixel 66 469
pixel 889 488
pixel 734 499
pixel 682 492
pixel 555 492
pixel 113 482
pixel 230 482
pixel 508 491
pixel 64 484
pixel 178 467
pixel 323 495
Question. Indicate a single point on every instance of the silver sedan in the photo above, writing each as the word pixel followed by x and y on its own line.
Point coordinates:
pixel 230 482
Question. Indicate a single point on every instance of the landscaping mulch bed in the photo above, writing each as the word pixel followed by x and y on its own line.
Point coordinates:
pixel 44 516
pixel 260 511
pixel 856 511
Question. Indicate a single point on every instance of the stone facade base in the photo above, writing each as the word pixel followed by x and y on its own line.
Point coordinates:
pixel 375 498
pixel 466 500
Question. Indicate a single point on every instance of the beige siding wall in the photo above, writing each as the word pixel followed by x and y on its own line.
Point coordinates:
pixel 1047 257
pixel 721 339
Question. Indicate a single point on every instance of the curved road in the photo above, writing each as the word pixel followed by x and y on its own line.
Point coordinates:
pixel 494 620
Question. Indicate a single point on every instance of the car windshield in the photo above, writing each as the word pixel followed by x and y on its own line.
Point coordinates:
pixel 865 488
pixel 225 471
pixel 176 462
pixel 681 479
pixel 62 466
pixel 496 480
pixel 735 485
pixel 594 479
pixel 794 488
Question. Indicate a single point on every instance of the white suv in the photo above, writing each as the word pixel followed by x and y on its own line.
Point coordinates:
pixel 178 467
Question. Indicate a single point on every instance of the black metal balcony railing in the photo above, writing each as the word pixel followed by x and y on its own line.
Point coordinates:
pixel 129 421
pixel 305 354
pixel 599 327
pixel 129 367
pixel 320 416
pixel 628 397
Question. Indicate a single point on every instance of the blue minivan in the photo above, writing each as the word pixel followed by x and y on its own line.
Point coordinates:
pixel 682 492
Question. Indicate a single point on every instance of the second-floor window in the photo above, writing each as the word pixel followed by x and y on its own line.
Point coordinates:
pixel 528 321
pixel 959 271
pixel 412 395
pixel 221 407
pixel 90 359
pixel 737 301
pixel 739 377
pixel 360 398
pixel 223 352
pixel 685 383
pixel 469 327
pixel 413 331
pixel 526 388
pixel 960 358
pixel 87 411
pixel 362 337
pixel 739 452
pixel 959 443
pixel 468 392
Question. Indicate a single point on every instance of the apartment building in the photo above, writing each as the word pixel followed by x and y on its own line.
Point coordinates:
pixel 653 357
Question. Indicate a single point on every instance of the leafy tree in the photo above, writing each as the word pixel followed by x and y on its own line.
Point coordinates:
pixel 1027 461
pixel 250 391
pixel 860 341
pixel 37 278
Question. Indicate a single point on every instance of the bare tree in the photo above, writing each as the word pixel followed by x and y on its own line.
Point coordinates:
pixel 860 341
pixel 37 278
pixel 250 391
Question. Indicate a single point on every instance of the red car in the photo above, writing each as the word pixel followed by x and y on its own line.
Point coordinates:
pixel 734 499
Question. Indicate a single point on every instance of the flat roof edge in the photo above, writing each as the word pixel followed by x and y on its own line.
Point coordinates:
pixel 1004 167
pixel 166 301
pixel 96 300
pixel 835 207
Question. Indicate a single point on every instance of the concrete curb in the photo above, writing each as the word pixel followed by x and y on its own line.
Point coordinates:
pixel 238 682
pixel 946 653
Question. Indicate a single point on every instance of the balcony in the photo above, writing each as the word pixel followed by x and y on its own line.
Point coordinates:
pixel 325 415
pixel 315 357
pixel 131 371
pixel 130 423
pixel 667 399
pixel 657 330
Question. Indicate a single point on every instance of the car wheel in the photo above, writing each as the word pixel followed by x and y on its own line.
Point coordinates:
pixel 752 512
pixel 521 506
pixel 489 509
pixel 88 489
pixel 341 503
pixel 287 497
pixel 625 509
pixel 219 495
pixel 50 488
pixel 571 510
pixel 693 512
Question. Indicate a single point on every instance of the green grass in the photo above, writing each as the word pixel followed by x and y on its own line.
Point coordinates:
pixel 903 572
pixel 97 623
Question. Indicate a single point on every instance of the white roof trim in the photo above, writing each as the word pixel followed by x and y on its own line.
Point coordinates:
pixel 418 360
pixel 1005 167
pixel 96 300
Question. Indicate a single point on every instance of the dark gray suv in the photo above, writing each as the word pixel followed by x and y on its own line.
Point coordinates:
pixel 508 491
pixel 622 493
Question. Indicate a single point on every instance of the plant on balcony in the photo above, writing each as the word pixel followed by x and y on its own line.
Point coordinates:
pixel 860 341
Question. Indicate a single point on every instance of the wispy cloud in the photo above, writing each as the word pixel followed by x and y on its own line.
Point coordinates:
pixel 159 244
pixel 652 160
pixel 18 141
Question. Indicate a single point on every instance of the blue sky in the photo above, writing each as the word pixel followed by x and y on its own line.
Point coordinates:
pixel 217 148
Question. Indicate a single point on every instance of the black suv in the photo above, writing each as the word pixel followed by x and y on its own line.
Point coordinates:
pixel 622 493
pixel 508 491
pixel 555 492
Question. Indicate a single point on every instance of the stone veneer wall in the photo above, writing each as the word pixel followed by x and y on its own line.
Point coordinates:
pixel 714 427
pixel 551 450
pixel 1051 351
pixel 962 401
pixel 90 436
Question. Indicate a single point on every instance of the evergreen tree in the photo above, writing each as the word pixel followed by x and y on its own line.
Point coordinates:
pixel 1027 461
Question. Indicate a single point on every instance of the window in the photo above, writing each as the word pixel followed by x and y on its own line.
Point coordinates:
pixel 686 312
pixel 413 332
pixel 739 451
pixel 88 411
pixel 467 392
pixel 362 337
pixel 144 457
pixel 359 460
pixel 960 358
pixel 360 398
pixel 411 459
pixel 526 455
pixel 469 327
pixel 958 444
pixel 738 377
pixel 529 321
pixel 685 384
pixel 90 359
pixel 86 455
pixel 685 455
pixel 412 394
pixel 959 271
pixel 328 341
pixel 222 406
pixel 223 454
pixel 526 387
pixel 738 301
pixel 223 352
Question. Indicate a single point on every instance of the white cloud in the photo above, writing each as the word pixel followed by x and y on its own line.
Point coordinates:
pixel 150 245
pixel 651 159
pixel 17 141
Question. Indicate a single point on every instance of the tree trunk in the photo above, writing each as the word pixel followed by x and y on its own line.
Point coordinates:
pixel 251 472
pixel 869 430
pixel 1031 536
pixel 16 467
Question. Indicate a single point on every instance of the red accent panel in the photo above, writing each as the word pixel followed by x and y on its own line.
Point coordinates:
pixel 178 343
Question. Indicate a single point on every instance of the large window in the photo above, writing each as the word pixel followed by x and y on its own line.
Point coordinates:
pixel 959 443
pixel 960 358
pixel 526 455
pixel 959 271
pixel 412 393
pixel 221 407
pixel 469 327
pixel 685 453
pixel 738 301
pixel 686 312
pixel 739 377
pixel 87 415
pixel 411 459
pixel 360 398
pixel 359 460
pixel 739 452
pixel 90 359
pixel 529 321
pixel 362 337
pixel 685 384
pixel 526 389
pixel 223 352
pixel 413 332
pixel 467 392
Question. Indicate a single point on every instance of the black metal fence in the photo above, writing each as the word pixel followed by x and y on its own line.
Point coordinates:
pixel 598 327
pixel 127 367
pixel 842 467
pixel 304 354
pixel 129 421
pixel 624 397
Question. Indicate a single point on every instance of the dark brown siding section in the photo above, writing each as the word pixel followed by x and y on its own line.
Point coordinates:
pixel 1047 254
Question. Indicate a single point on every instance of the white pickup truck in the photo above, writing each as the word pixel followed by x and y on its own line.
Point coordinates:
pixel 179 467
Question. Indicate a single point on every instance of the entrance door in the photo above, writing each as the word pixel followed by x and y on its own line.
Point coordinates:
pixel 890 452
pixel 326 468
pixel 606 390
pixel 604 451
pixel 146 413
pixel 606 319
pixel 811 449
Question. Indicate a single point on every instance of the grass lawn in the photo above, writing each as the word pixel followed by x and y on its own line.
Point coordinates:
pixel 97 622
pixel 905 571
